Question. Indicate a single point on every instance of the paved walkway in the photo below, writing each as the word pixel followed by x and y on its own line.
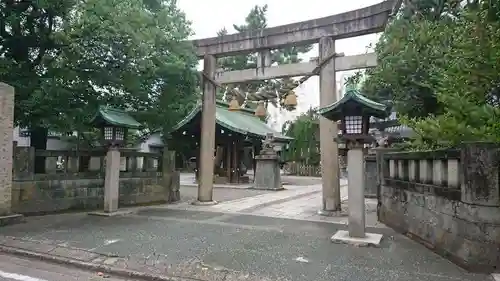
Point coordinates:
pixel 220 246
pixel 298 202
pixel 188 179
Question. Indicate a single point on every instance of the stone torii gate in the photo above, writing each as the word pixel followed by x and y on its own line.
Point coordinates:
pixel 323 30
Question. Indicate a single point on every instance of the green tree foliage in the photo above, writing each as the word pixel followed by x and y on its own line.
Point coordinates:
pixel 468 88
pixel 256 20
pixel 67 57
pixel 410 51
pixel 439 62
pixel 30 34
pixel 131 56
pixel 305 133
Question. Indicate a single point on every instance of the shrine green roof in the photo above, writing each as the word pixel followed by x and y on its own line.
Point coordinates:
pixel 116 117
pixel 242 121
pixel 353 96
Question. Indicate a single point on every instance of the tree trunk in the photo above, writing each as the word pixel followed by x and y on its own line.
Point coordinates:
pixel 38 140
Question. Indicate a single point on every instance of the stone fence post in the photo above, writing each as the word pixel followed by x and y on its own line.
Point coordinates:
pixel 24 162
pixel 379 155
pixel 171 177
pixel 6 153
pixel 381 167
pixel 479 172
pixel 371 176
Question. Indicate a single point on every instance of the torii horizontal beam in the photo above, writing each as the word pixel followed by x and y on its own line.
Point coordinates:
pixel 363 21
pixel 342 63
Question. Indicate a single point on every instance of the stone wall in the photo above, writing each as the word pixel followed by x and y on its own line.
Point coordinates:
pixel 449 200
pixel 68 184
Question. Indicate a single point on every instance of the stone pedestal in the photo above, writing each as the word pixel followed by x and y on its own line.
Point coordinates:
pixel 111 183
pixel 171 178
pixel 267 172
pixel 6 152
pixel 112 180
pixel 356 192
pixel 356 203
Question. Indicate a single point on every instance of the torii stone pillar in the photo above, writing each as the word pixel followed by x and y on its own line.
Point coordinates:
pixel 328 131
pixel 6 154
pixel 207 143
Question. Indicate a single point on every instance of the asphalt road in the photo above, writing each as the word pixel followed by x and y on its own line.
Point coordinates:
pixel 277 249
pixel 22 269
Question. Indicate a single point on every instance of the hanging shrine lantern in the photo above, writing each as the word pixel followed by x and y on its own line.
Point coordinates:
pixel 291 99
pixel 261 111
pixel 234 105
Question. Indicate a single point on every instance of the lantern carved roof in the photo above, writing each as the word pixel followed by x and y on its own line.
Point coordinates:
pixel 114 117
pixel 353 103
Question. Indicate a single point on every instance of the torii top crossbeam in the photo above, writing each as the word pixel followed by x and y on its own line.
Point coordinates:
pixel 359 22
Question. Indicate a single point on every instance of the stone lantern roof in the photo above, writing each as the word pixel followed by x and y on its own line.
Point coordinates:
pixel 114 117
pixel 353 99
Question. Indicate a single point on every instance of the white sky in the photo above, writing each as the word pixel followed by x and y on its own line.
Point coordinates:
pixel 208 17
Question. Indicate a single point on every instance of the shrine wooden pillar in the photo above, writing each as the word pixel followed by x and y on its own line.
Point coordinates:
pixel 227 160
pixel 235 161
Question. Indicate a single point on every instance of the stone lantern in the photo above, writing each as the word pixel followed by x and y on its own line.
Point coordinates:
pixel 354 112
pixel 234 105
pixel 113 135
pixel 114 124
pixel 291 99
pixel 261 111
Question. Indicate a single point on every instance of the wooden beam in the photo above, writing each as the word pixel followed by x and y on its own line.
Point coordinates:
pixel 296 69
pixel 359 22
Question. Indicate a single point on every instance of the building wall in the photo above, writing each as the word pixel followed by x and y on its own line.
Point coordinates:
pixel 150 144
pixel 152 140
pixel 53 143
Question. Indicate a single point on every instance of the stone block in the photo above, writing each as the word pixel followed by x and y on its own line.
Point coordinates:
pixel 6 144
pixel 11 219
pixel 474 213
pixel 467 234
pixel 112 214
pixel 24 160
pixel 370 239
pixel 267 173
pixel 480 180
pixel 370 177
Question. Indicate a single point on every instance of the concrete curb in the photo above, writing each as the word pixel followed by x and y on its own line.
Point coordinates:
pixel 119 272
pixel 218 187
